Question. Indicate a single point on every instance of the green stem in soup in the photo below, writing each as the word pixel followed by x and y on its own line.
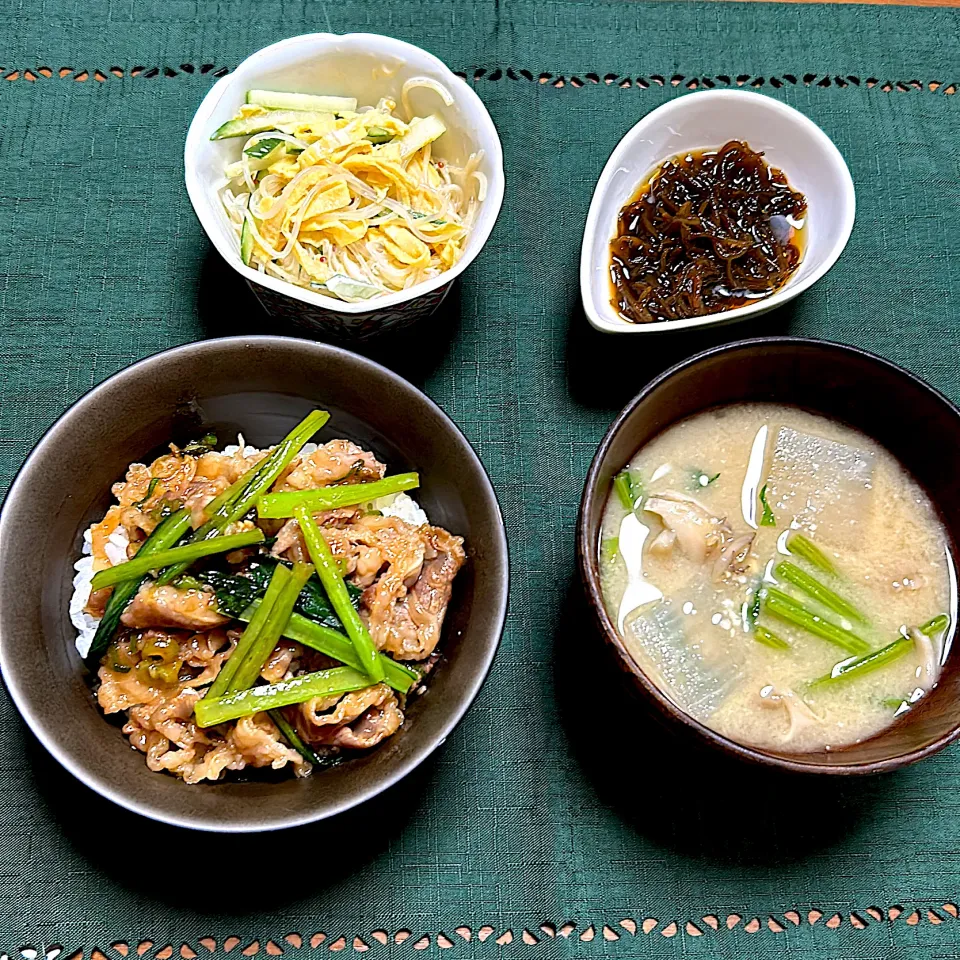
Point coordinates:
pixel 767 519
pixel 806 549
pixel 629 489
pixel 769 639
pixel 609 549
pixel 785 570
pixel 783 607
pixel 189 553
pixel 700 478
pixel 851 669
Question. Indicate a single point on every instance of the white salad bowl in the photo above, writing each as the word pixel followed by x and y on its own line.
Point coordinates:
pixel 366 66
pixel 789 141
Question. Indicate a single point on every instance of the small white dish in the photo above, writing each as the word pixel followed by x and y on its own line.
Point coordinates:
pixel 789 141
pixel 366 66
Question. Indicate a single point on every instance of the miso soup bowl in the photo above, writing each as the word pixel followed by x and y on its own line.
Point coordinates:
pixel 367 66
pixel 884 401
pixel 789 141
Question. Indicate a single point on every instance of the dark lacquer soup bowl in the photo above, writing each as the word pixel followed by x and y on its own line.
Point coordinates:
pixel 260 386
pixel 913 421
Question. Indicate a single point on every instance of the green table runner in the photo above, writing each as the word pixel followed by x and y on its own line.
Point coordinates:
pixel 554 823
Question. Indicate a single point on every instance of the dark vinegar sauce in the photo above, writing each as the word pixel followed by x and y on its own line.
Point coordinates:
pixel 709 230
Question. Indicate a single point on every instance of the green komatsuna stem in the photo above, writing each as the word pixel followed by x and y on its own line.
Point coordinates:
pixel 224 679
pixel 805 548
pixel 334 644
pixel 329 574
pixel 785 570
pixel 324 683
pixel 275 506
pixel 293 738
pixel 785 608
pixel 767 518
pixel 851 669
pixel 768 639
pixel 609 549
pixel 188 553
pixel 241 496
pixel 164 535
pixel 628 490
pixel 248 672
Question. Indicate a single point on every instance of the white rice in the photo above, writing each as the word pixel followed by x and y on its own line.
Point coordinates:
pixel 402 507
pixel 86 626
pixel 396 505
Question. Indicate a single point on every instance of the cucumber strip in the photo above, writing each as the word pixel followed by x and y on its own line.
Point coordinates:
pixel 263 147
pixel 420 134
pixel 348 289
pixel 379 135
pixel 246 242
pixel 247 126
pixel 276 100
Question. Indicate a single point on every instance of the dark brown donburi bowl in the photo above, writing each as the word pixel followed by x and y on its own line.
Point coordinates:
pixel 260 386
pixel 911 419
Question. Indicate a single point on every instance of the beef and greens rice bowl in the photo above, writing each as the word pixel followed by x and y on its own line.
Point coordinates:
pixel 245 608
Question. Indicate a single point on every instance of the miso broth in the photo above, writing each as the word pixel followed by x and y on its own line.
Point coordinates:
pixel 779 576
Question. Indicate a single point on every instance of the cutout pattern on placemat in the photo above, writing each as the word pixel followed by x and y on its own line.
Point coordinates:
pixel 611 931
pixel 482 73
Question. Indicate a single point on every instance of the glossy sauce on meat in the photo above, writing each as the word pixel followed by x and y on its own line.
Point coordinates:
pixel 709 230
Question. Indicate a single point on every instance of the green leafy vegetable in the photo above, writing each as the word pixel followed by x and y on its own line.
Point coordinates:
pixel 204 444
pixel 785 570
pixel 851 669
pixel 803 547
pixel 753 611
pixel 236 591
pixel 235 502
pixel 324 683
pixel 293 738
pixel 258 651
pixel 767 519
pixel 223 683
pixel 783 607
pixel 151 487
pixel 334 644
pixel 629 489
pixel 609 549
pixel 336 589
pixel 762 635
pixel 140 565
pixel 276 506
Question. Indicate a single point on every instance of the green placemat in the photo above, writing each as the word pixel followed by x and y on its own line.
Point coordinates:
pixel 555 822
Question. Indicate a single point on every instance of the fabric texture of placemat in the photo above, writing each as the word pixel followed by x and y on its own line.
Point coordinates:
pixel 554 822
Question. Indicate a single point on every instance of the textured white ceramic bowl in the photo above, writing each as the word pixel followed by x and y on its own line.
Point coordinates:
pixel 788 139
pixel 366 66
